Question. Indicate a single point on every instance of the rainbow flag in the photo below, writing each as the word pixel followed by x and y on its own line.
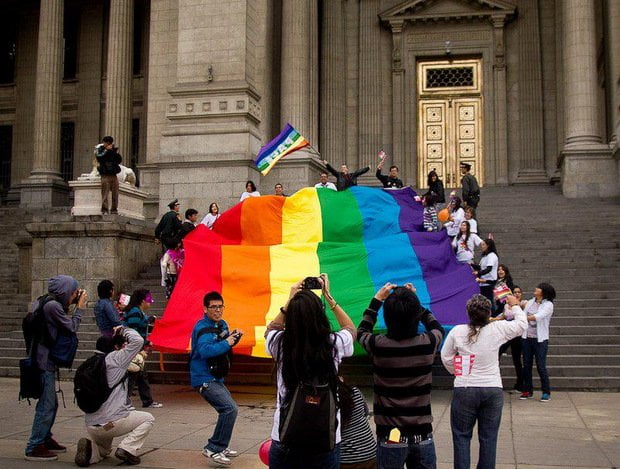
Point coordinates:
pixel 288 141
pixel 362 238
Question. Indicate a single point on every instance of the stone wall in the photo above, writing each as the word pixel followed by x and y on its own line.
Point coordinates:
pixel 90 249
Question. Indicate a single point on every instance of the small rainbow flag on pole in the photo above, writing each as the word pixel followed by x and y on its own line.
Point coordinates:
pixel 288 141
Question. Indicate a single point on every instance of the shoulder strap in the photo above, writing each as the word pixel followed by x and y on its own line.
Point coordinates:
pixel 200 333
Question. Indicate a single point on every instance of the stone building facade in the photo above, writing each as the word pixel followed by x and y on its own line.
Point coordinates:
pixel 528 91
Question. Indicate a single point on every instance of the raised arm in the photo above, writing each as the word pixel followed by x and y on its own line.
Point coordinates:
pixel 359 172
pixel 330 169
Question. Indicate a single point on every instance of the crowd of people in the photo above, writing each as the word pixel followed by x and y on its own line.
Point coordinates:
pixel 334 431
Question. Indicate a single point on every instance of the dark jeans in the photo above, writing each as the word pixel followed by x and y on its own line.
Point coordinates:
pixel 216 394
pixel 532 348
pixel 468 406
pixel 516 351
pixel 487 292
pixel 416 455
pixel 283 457
pixel 144 388
pixel 45 412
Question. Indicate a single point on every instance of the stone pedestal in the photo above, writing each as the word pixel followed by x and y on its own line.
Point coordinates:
pixel 90 249
pixel 589 172
pixel 44 192
pixel 87 199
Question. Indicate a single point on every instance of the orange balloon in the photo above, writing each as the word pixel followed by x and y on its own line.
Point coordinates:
pixel 443 215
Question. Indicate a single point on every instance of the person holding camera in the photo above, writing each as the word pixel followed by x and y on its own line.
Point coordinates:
pixel 402 373
pixel 212 344
pixel 114 417
pixel 63 291
pixel 108 160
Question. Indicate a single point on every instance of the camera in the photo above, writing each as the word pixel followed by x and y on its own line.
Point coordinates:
pixel 311 283
pixel 77 298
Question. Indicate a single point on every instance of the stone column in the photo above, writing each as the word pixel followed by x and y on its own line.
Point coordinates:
pixel 369 86
pixel 587 167
pixel 295 87
pixel 499 87
pixel 119 76
pixel 44 187
pixel 398 99
pixel 333 85
pixel 531 164
pixel 613 77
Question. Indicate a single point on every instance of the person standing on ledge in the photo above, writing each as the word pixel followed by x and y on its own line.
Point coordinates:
pixel 108 160
pixel 345 179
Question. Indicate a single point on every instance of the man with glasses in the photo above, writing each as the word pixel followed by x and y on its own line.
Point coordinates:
pixel 212 344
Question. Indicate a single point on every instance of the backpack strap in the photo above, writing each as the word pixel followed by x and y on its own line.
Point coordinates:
pixel 200 333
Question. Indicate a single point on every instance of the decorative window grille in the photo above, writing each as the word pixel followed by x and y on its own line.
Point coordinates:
pixel 451 77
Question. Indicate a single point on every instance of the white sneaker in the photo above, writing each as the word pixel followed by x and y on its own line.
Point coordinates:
pixel 154 405
pixel 218 458
pixel 230 453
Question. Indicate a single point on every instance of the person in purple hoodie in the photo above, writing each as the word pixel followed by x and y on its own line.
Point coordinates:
pixel 41 446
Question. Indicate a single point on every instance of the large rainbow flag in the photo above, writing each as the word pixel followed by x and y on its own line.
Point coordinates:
pixel 362 238
pixel 287 141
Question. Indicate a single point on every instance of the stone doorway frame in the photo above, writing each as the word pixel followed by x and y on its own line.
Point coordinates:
pixel 478 32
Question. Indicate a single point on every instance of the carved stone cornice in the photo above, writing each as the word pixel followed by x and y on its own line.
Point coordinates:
pixel 430 11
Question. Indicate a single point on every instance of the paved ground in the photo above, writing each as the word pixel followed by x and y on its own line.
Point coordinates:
pixel 574 429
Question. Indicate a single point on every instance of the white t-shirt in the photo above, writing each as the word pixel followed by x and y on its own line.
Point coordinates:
pixel 491 260
pixel 209 220
pixel 473 225
pixel 343 348
pixel 465 251
pixel 452 227
pixel 246 194
pixel 328 185
pixel 476 364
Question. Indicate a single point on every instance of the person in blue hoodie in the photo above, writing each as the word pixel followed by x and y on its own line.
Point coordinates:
pixel 211 343
pixel 41 446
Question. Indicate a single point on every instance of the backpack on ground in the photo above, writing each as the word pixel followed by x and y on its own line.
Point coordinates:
pixel 308 421
pixel 220 364
pixel 90 384
pixel 62 350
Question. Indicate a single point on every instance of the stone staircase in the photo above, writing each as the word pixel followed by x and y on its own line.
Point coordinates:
pixel 540 235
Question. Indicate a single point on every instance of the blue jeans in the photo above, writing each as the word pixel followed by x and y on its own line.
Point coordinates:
pixel 485 406
pixel 532 348
pixel 45 413
pixel 216 394
pixel 283 457
pixel 416 455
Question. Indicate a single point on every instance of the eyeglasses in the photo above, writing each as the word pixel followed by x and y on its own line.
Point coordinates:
pixel 216 307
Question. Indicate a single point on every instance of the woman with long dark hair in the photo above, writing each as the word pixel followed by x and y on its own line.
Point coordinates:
pixel 306 352
pixel 535 340
pixel 250 191
pixel 464 244
pixel 455 218
pixel 470 353
pixel 487 270
pixel 435 187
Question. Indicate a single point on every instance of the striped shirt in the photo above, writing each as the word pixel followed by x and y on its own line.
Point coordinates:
pixel 358 443
pixel 402 374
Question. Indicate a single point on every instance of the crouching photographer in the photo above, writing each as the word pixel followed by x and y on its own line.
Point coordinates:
pixel 100 387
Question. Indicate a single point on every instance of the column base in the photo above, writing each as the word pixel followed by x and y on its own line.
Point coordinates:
pixel 44 192
pixel 589 172
pixel 532 176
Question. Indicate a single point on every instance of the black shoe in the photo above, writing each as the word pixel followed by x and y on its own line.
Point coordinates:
pixel 127 457
pixel 84 452
pixel 114 212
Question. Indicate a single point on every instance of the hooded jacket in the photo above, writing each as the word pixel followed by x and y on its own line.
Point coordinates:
pixel 56 318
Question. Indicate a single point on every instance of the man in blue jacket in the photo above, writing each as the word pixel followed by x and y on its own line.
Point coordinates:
pixel 41 446
pixel 211 344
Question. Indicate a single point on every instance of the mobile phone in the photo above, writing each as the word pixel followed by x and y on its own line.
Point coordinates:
pixel 311 283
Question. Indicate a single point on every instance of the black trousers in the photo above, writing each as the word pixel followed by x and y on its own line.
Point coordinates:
pixel 144 388
pixel 516 350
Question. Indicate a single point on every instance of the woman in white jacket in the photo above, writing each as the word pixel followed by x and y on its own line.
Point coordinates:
pixel 465 243
pixel 470 353
pixel 535 340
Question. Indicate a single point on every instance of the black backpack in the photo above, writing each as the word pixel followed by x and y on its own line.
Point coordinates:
pixel 219 365
pixel 90 384
pixel 308 420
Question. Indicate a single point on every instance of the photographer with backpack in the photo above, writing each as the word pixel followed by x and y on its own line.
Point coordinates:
pixel 62 292
pixel 306 431
pixel 101 391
